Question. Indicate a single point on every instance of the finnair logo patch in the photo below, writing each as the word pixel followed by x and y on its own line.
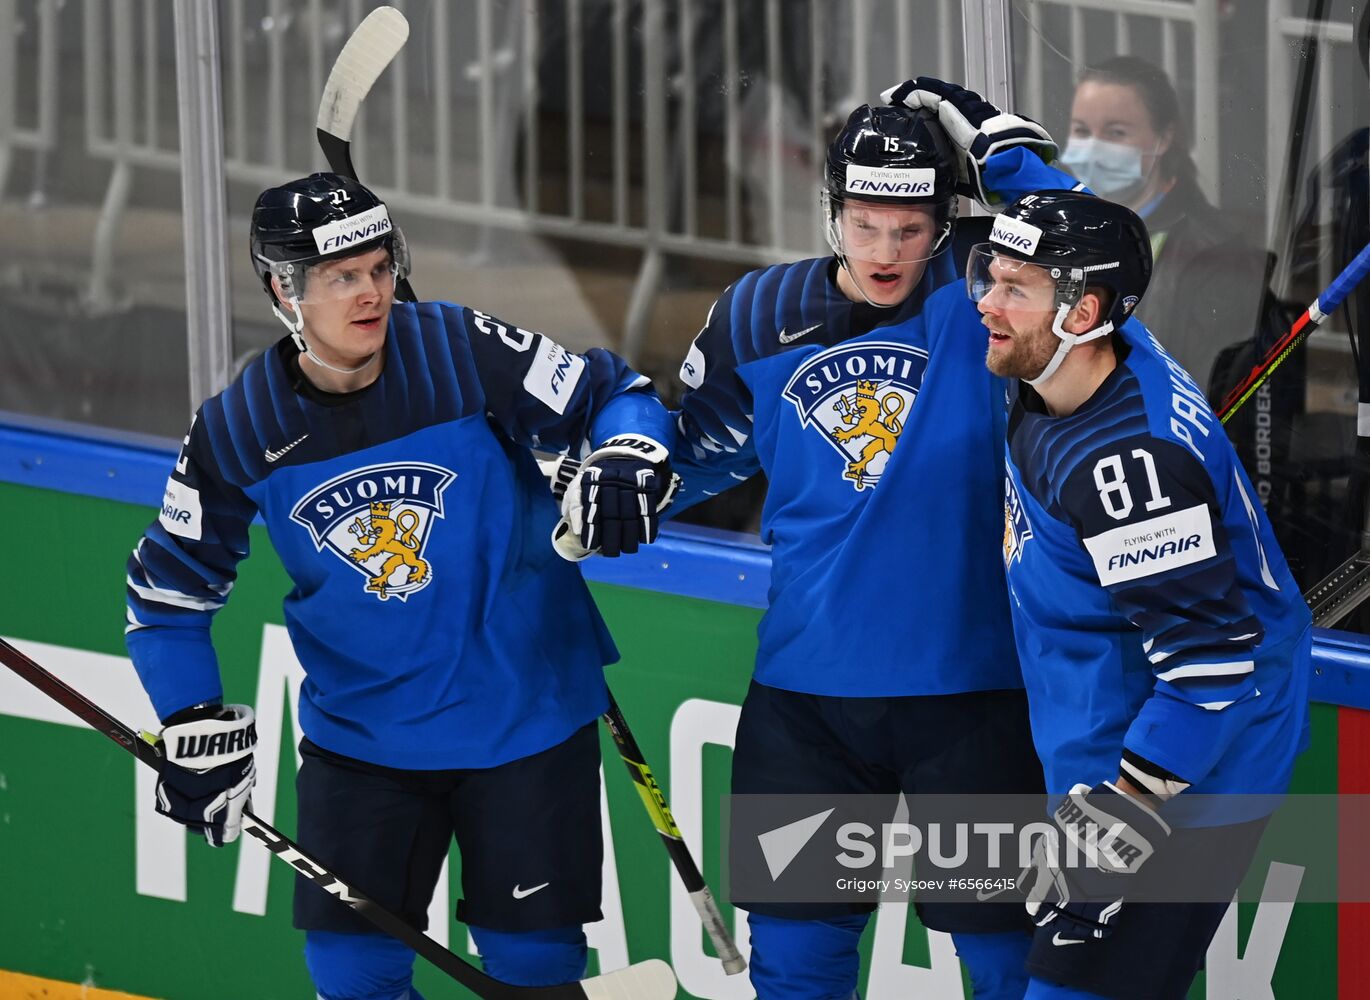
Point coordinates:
pixel 901 182
pixel 554 373
pixel 181 510
pixel 352 231
pixel 1156 546
pixel 1015 234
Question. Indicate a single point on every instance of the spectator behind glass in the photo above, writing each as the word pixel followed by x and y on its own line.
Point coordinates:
pixel 1129 143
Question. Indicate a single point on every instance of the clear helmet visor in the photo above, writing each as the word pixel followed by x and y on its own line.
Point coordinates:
pixel 1008 284
pixel 375 271
pixel 872 233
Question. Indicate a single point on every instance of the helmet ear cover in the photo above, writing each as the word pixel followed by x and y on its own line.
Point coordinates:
pixel 1070 285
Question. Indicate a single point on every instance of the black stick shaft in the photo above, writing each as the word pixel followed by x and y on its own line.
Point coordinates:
pixel 284 848
pixel 338 152
pixel 660 812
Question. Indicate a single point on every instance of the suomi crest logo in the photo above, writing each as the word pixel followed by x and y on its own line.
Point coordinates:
pixel 858 395
pixel 377 520
pixel 1017 527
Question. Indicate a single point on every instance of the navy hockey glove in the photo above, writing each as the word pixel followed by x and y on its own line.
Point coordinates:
pixel 207 780
pixel 613 503
pixel 1077 883
pixel 977 127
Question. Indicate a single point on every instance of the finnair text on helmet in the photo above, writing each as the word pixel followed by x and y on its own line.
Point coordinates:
pixel 897 182
pixel 1015 233
pixel 353 231
pixel 906 188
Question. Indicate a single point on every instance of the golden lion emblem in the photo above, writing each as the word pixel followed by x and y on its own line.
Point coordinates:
pixel 384 534
pixel 869 417
pixel 1010 540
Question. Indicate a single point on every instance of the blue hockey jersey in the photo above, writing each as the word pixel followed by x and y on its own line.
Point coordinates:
pixel 1153 608
pixel 880 432
pixel 436 625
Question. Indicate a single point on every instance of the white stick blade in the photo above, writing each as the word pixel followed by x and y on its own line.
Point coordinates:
pixel 372 47
pixel 649 980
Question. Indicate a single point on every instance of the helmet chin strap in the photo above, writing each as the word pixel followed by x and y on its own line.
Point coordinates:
pixel 1068 340
pixel 294 322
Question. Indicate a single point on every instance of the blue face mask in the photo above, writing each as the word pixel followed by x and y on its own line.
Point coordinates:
pixel 1109 169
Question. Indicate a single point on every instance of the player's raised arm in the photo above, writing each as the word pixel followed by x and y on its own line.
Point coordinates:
pixel 1002 155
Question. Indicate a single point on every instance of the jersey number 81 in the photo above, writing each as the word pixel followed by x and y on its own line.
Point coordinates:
pixel 1114 493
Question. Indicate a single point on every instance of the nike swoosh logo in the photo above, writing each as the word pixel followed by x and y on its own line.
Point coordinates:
pixel 1057 940
pixel 523 893
pixel 786 338
pixel 272 456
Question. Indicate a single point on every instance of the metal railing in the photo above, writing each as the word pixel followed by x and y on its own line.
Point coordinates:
pixel 664 193
pixel 704 140
pixel 37 26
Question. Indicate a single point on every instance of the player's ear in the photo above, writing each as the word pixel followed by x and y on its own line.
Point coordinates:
pixel 1086 314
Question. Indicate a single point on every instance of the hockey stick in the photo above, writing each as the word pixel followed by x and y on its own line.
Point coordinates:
pixel 372 47
pixel 1322 307
pixel 649 980
pixel 660 813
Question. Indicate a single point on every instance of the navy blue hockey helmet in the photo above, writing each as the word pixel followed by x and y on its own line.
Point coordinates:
pixel 1081 242
pixel 889 155
pixel 314 219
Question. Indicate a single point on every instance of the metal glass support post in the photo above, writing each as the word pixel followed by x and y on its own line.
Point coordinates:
pixel 204 211
pixel 655 138
pixel 987 35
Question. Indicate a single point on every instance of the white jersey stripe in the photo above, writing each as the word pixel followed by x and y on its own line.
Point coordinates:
pixel 1233 669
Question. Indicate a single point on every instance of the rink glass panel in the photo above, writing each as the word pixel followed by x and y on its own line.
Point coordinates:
pixel 1275 109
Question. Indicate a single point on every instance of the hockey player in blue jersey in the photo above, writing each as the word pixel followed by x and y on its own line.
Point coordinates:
pixel 1165 646
pixel 856 382
pixel 453 664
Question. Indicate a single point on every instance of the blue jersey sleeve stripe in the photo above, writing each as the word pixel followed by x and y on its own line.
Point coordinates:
pixel 815 295
pixel 790 280
pixel 243 444
pixel 1227 669
pixel 760 309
